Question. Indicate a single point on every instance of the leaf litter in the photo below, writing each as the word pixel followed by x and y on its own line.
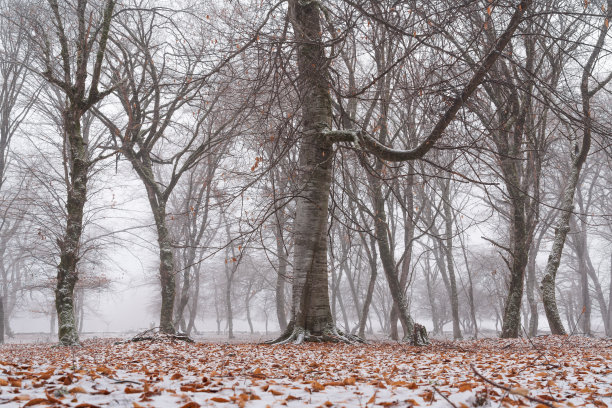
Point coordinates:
pixel 551 371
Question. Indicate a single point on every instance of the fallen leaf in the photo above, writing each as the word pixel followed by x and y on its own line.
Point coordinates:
pixel 219 399
pixel 37 401
pixel 349 381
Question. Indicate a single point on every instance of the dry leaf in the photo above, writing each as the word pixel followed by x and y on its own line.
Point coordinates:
pixel 37 401
pixel 219 399
pixel 519 391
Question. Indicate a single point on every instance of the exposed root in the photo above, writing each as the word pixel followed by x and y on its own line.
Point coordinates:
pixel 155 335
pixel 299 335
pixel 418 337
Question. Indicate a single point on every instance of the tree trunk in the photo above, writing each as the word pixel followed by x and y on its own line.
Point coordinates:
pixel 448 218
pixel 67 272
pixel 372 258
pixel 228 305
pixel 248 313
pixel 531 284
pixel 281 314
pixel 609 317
pixel 521 241
pixel 166 268
pixel 311 313
pixel 179 318
pixel 194 302
pixel 1 319
pixel 386 256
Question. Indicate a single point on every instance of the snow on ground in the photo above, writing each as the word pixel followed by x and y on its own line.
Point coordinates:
pixel 556 371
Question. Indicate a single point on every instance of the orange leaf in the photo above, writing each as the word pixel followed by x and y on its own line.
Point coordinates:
pixel 191 404
pixel 219 399
pixel 349 381
pixel 274 392
pixel 37 401
pixel 465 387
pixel 519 391
pixel 130 390
pixel 316 387
pixel 77 390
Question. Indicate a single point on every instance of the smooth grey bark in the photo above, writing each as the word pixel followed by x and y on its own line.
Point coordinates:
pixel 311 313
pixel 567 206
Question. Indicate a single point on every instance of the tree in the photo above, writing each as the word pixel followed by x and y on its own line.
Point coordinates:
pixel 311 314
pixel 159 88
pixel 578 158
pixel 75 34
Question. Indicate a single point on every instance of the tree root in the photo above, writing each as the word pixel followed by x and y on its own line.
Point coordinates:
pixel 298 335
pixel 418 337
pixel 155 335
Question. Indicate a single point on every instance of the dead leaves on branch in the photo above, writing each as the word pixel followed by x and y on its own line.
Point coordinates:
pixel 550 372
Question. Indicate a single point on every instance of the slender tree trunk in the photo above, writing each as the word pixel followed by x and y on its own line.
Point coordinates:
pixel 470 290
pixel 531 284
pixel 281 313
pixel 52 322
pixel 228 304
pixel 179 318
pixel 609 317
pixel 448 218
pixel 381 230
pixel 248 312
pixel 372 258
pixel 1 319
pixel 548 283
pixel 194 302
pixel 67 272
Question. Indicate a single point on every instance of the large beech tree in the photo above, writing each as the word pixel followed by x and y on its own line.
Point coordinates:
pixel 311 317
pixel 70 39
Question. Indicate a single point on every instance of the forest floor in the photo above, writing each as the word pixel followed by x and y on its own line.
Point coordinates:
pixel 545 371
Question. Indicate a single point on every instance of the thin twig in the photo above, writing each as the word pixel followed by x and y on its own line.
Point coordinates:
pixel 507 389
pixel 444 396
